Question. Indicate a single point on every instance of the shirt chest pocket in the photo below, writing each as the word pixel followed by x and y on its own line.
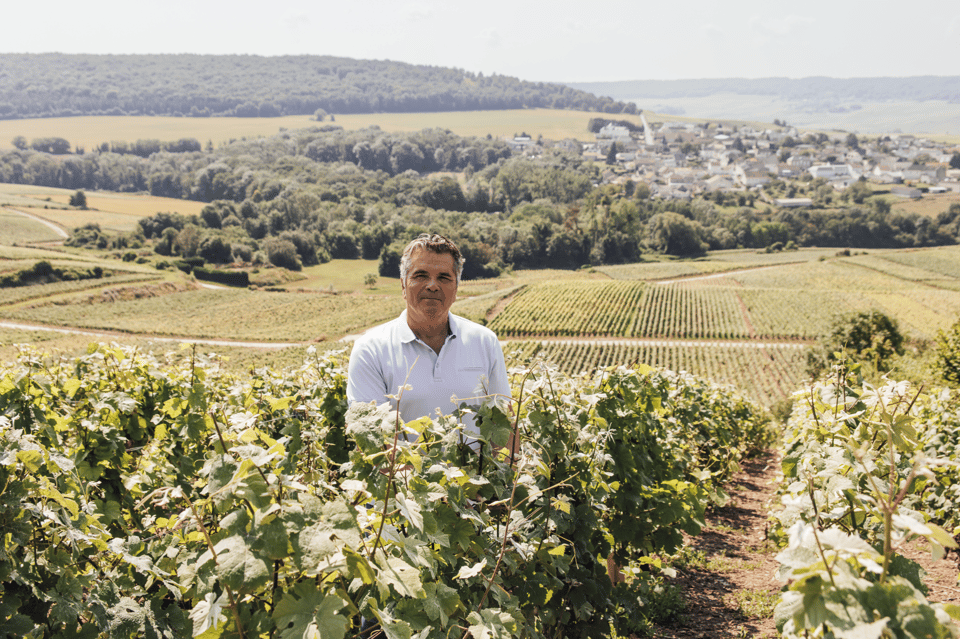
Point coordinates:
pixel 470 370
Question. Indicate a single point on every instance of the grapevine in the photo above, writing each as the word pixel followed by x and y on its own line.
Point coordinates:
pixel 168 498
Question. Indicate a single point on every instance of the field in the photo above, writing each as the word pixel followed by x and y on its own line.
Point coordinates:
pixel 228 314
pixel 117 212
pixel 90 131
pixel 344 275
pixel 17 229
pixel 928 205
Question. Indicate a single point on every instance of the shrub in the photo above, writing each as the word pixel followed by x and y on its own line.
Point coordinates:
pixel 865 336
pixel 948 354
pixel 242 252
pixel 214 249
pixel 79 200
pixel 283 253
pixel 230 278
pixel 389 265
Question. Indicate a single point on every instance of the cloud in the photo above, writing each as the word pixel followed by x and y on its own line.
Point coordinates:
pixel 296 21
pixel 780 25
pixel 712 31
pixel 417 11
pixel 492 38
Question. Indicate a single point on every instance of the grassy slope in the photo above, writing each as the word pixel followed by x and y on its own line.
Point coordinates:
pixel 17 229
pixel 113 211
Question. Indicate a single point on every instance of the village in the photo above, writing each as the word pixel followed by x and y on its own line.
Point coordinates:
pixel 678 160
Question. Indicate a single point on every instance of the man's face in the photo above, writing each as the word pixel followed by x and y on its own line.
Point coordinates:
pixel 431 287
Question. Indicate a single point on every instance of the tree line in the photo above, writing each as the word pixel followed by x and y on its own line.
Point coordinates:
pixel 144 148
pixel 306 196
pixel 62 85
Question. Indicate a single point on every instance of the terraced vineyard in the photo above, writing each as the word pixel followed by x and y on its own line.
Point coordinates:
pixel 576 309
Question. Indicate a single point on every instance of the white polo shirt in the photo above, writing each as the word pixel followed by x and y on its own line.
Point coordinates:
pixel 470 365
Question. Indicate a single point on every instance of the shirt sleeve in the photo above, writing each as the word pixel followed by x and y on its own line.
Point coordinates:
pixel 365 382
pixel 499 383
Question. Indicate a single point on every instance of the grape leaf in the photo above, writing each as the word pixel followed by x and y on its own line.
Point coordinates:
pixel 238 566
pixel 306 613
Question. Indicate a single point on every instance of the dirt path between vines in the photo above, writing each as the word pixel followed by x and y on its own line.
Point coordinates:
pixel 736 559
pixel 733 563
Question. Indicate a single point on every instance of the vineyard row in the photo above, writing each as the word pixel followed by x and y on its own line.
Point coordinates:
pixel 767 375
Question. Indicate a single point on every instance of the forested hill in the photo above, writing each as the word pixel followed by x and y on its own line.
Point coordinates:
pixel 917 88
pixel 57 85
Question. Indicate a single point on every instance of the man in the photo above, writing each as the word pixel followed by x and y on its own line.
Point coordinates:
pixel 438 354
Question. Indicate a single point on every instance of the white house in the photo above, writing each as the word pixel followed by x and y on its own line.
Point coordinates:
pixel 793 202
pixel 613 132
pixel 718 183
pixel 906 192
pixel 833 171
pixel 751 176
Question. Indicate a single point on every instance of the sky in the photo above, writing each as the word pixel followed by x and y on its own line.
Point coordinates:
pixel 548 41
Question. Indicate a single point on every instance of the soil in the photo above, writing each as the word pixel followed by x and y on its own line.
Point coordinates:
pixel 739 560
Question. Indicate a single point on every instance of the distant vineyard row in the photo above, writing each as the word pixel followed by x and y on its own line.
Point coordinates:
pixel 766 375
pixel 635 309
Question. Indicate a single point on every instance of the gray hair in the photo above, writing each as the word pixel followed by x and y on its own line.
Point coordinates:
pixel 435 244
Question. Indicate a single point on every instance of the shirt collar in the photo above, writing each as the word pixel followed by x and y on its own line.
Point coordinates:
pixel 454 323
pixel 407 335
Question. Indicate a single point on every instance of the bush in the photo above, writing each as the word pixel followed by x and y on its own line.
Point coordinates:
pixel 79 200
pixel 948 354
pixel 866 336
pixel 187 264
pixel 242 252
pixel 390 261
pixel 230 278
pixel 89 235
pixel 43 272
pixel 283 253
pixel 214 249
